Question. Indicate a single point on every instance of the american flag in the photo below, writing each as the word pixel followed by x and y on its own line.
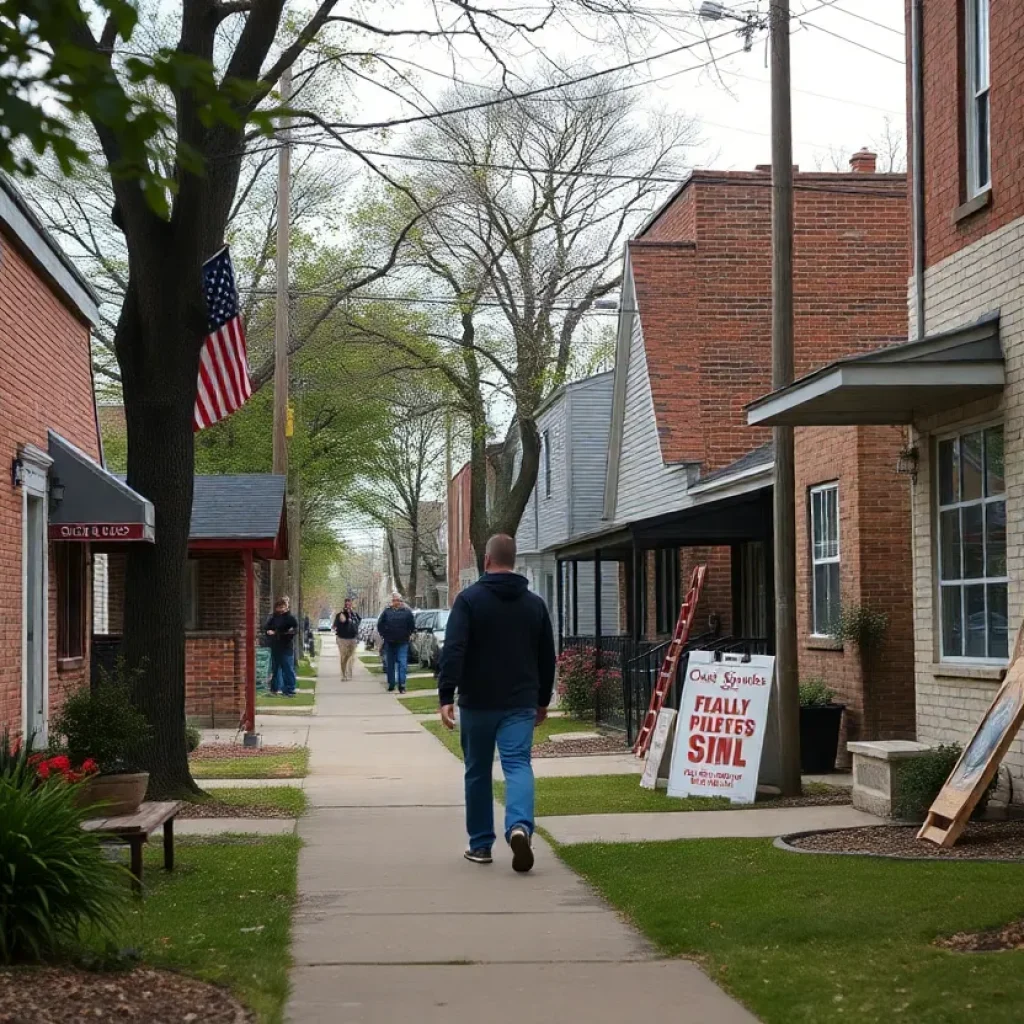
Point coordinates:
pixel 223 366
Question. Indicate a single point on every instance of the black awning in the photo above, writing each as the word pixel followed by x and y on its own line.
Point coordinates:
pixel 898 384
pixel 90 504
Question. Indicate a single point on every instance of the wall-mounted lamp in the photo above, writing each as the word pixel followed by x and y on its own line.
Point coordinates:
pixel 906 463
pixel 17 473
pixel 56 492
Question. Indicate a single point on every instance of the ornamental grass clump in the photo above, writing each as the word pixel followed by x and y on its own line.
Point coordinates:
pixel 54 878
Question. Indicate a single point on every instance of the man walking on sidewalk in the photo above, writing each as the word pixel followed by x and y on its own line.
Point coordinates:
pixel 499 654
pixel 395 626
pixel 346 629
pixel 280 629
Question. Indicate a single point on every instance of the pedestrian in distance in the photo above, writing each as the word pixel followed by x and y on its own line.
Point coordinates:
pixel 280 630
pixel 346 629
pixel 499 657
pixel 395 625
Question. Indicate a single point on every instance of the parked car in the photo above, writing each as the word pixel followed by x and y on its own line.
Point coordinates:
pixel 323 626
pixel 433 641
pixel 420 640
pixel 368 633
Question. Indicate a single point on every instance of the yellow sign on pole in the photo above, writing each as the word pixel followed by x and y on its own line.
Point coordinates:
pixel 289 425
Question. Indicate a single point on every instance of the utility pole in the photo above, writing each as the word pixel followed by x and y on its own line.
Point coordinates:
pixel 782 374
pixel 447 505
pixel 278 569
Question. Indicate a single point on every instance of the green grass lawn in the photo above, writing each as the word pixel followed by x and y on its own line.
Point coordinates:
pixel 421 683
pixel 290 799
pixel 223 915
pixel 269 700
pixel 420 705
pixel 551 726
pixel 621 794
pixel 293 764
pixel 808 939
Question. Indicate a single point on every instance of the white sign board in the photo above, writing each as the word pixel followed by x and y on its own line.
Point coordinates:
pixel 659 743
pixel 723 717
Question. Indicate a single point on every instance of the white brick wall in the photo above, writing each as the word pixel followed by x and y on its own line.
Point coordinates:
pixel 982 278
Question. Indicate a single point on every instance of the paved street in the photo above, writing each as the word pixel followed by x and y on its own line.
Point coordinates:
pixel 393 925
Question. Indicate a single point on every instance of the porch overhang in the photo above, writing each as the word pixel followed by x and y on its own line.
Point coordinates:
pixel 95 506
pixel 898 384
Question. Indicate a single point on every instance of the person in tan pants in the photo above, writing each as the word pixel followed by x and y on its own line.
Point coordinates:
pixel 346 630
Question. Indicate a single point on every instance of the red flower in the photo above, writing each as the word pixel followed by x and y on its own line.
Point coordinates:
pixel 43 770
pixel 89 766
pixel 61 763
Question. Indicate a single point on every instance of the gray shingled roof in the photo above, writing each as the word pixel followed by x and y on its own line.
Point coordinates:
pixel 762 456
pixel 243 506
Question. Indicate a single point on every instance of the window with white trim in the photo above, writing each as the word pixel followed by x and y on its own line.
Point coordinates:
pixel 545 447
pixel 976 97
pixel 972 546
pixel 824 558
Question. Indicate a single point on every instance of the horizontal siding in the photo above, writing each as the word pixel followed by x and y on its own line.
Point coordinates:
pixel 590 413
pixel 647 487
pixel 553 511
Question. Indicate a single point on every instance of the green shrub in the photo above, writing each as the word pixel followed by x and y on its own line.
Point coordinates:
pixel 921 778
pixel 14 755
pixel 54 878
pixel 814 693
pixel 862 625
pixel 193 737
pixel 101 722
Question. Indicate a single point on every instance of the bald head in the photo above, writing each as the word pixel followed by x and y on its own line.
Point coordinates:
pixel 500 553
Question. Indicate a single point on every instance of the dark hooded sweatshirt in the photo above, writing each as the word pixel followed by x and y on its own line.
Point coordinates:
pixel 499 649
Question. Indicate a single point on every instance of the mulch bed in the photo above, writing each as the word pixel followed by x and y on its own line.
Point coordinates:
pixel 581 747
pixel 234 751
pixel 216 809
pixel 981 840
pixel 58 995
pixel 823 796
pixel 1010 936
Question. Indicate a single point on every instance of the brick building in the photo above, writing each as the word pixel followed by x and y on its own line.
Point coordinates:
pixel 689 481
pixel 959 384
pixel 58 507
pixel 462 570
pixel 238 526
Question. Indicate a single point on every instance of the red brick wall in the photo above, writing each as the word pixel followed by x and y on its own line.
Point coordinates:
pixel 875 570
pixel 215 650
pixel 460 547
pixel 45 382
pixel 850 273
pixel 715 599
pixel 944 170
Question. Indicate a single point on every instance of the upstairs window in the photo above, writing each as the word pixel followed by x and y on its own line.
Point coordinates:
pixel 972 547
pixel 824 558
pixel 545 452
pixel 976 97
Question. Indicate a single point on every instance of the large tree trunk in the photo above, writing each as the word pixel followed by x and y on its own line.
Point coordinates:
pixel 159 334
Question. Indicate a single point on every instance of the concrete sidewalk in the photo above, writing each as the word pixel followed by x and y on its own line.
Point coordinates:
pixel 393 925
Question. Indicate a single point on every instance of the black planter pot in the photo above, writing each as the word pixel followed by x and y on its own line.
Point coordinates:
pixel 819 738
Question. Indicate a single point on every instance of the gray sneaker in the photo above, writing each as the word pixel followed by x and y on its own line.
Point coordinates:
pixel 522 848
pixel 478 856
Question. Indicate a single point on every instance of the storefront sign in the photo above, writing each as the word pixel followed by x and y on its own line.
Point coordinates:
pixel 97 531
pixel 721 728
pixel 659 744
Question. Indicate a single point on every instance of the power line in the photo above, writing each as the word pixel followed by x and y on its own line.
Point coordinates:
pixel 852 42
pixel 870 21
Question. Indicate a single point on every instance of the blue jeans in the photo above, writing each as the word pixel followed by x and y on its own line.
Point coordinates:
pixel 283 679
pixel 396 665
pixel 512 731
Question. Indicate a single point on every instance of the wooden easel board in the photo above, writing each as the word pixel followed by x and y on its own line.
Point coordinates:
pixel 980 760
pixel 660 742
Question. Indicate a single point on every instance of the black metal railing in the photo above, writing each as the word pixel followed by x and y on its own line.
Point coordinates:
pixel 616 652
pixel 641 672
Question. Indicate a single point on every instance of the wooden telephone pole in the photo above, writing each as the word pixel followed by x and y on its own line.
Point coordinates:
pixel 279 569
pixel 782 374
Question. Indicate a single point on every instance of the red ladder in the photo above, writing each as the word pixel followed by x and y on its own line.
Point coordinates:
pixel 671 662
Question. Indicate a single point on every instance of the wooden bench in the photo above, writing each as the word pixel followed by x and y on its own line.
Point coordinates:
pixel 134 829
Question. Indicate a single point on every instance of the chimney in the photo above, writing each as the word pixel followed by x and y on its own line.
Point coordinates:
pixel 863 161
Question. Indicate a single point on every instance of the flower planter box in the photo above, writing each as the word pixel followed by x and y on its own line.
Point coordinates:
pixel 119 795
pixel 819 738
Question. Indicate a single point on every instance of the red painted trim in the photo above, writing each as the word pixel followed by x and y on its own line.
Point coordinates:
pixel 260 548
pixel 250 643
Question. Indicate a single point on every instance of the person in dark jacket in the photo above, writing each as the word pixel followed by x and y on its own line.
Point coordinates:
pixel 395 625
pixel 499 655
pixel 346 629
pixel 280 630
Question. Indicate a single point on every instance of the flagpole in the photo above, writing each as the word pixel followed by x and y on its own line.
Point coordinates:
pixel 278 568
